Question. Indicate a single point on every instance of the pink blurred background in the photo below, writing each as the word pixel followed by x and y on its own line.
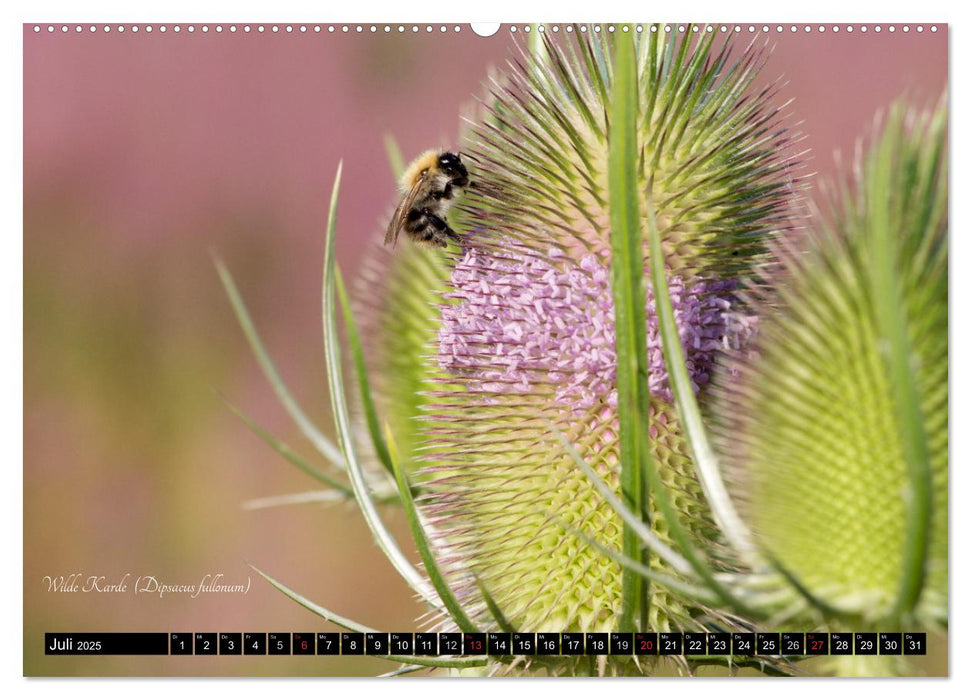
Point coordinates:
pixel 143 155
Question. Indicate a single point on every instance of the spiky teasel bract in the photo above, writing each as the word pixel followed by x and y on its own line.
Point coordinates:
pixel 835 432
pixel 523 346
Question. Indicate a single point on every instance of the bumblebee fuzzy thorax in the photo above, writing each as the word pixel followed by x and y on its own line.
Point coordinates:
pixel 426 162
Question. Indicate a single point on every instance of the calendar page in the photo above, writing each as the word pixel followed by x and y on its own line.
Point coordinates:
pixel 457 350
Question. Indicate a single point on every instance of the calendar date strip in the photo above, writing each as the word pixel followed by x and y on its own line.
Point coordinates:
pixel 500 644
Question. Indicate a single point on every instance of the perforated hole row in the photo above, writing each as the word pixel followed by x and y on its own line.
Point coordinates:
pixel 250 28
pixel 454 28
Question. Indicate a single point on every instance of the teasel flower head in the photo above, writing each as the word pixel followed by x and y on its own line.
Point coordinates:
pixel 834 430
pixel 542 395
pixel 517 348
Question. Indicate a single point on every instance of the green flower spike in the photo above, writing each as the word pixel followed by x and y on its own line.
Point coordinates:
pixel 835 431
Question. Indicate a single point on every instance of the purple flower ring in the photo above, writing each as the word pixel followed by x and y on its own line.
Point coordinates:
pixel 519 321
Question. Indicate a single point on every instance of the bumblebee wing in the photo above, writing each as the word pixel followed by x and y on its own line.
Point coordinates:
pixel 395 226
pixel 401 213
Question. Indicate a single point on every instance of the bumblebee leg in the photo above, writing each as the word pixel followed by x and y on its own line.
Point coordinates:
pixel 440 225
pixel 446 193
pixel 451 234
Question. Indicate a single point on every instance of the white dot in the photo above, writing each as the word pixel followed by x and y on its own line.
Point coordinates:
pixel 528 29
pixel 414 28
pixel 317 28
pixel 121 29
pixel 400 28
pixel 93 28
pixel 933 27
pixel 863 29
pixel 569 28
pixel 849 28
pixel 556 28
pixel 36 29
pixel 276 29
pixel 541 27
pixel 387 29
pixel 694 28
pixel 205 29
pixel 457 29
pixel 920 28
pixel 610 29
pixel 246 28
pixel 822 28
pixel 512 28
pixel 709 28
pixel 443 29
pixel 891 29
pixel 191 28
pixel 877 28
pixel 330 29
pixel 836 29
pixel 107 28
pixel 681 29
pixel 778 28
pixel 793 29
pixel 373 29
pixel 303 29
pixel 79 28
pixel 640 28
pixel 906 28
pixel 583 28
pixel 50 28
pixel 262 29
pixel 765 28
pixel 163 29
pixel 751 29
pixel 64 28
pixel 667 27
pixel 148 28
pixel 429 29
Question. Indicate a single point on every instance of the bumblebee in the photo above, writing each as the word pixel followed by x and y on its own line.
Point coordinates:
pixel 428 188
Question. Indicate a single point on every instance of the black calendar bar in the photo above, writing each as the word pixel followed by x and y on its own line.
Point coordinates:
pixel 106 643
pixel 787 644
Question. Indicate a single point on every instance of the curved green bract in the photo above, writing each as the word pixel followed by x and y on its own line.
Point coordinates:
pixel 307 427
pixel 355 470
